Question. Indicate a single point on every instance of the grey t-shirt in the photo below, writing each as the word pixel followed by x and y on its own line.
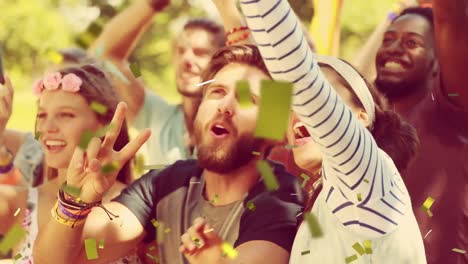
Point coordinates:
pixel 174 196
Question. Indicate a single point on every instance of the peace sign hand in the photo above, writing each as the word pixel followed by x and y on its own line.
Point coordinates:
pixel 84 171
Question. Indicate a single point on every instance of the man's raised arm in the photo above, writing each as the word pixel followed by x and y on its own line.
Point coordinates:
pixel 451 37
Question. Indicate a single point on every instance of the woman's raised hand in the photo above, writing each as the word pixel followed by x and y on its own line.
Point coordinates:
pixel 84 171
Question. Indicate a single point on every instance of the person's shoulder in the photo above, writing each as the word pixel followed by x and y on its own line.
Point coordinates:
pixel 175 175
pixel 289 191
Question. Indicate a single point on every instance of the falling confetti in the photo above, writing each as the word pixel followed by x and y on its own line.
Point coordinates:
pixel 215 199
pixel 351 258
pixel 243 93
pixel 154 167
pixel 289 146
pixel 73 191
pixel 167 230
pixel 313 224
pixel 98 108
pixel 135 70
pixel 461 251
pixel 269 178
pixel 427 233
pixel 359 197
pixel 255 153
pixel 111 167
pixel 366 180
pixel 358 248
pixel 155 258
pixel 305 178
pixel 452 94
pixel 273 110
pixel 154 222
pixel 17 211
pixel 14 235
pixel 18 256
pixel 229 251
pixel 251 206
pixel 90 248
pixel 85 139
pixel 427 205
pixel 207 82
pixel 305 252
pixel 101 244
pixel 54 56
pixel 38 135
pixel 367 246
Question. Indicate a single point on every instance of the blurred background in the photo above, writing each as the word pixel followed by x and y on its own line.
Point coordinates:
pixel 30 30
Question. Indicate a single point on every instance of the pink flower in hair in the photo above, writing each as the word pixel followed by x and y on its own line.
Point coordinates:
pixel 52 81
pixel 37 88
pixel 71 83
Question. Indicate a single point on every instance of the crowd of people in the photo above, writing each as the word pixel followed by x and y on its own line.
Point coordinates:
pixel 361 161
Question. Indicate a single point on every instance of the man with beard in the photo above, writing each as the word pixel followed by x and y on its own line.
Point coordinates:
pixel 224 186
pixel 172 125
pixel 415 46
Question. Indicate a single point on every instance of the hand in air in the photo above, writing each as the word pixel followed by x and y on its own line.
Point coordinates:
pixel 84 170
pixel 201 244
pixel 6 104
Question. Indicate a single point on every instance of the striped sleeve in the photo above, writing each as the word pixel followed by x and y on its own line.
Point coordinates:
pixel 362 185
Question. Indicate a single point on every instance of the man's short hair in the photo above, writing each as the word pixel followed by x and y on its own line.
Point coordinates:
pixel 210 26
pixel 425 12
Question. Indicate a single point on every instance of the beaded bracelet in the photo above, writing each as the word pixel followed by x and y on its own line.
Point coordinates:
pixel 236 29
pixel 63 221
pixel 241 38
pixel 81 214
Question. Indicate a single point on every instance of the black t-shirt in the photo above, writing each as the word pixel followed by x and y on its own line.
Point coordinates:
pixel 174 195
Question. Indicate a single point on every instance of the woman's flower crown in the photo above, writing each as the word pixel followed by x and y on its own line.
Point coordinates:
pixel 52 81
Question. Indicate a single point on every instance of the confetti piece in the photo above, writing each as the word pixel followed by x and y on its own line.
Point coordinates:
pixel 99 51
pixel 14 235
pixel 359 197
pixel 427 233
pixel 208 231
pixel 167 230
pixel 38 135
pixel 155 223
pixel 54 56
pixel 115 71
pixel 351 258
pixel 73 191
pixel 289 146
pixel 243 93
pixel 256 153
pixel 152 248
pixel 229 251
pixel 160 233
pixel 18 256
pixel 135 70
pixel 452 94
pixel 427 205
pixel 215 199
pixel 90 248
pixel 85 139
pixel 269 178
pixel 366 180
pixel 367 246
pixel 17 211
pixel 207 82
pixel 194 182
pixel 432 96
pixel 305 178
pixel 155 258
pixel 273 110
pixel 99 108
pixel 461 251
pixel 358 248
pixel 251 206
pixel 102 132
pixel 314 226
pixel 305 252
pixel 154 167
pixel 101 244
pixel 110 167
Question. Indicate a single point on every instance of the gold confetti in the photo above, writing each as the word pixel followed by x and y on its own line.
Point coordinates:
pixel 427 205
pixel 351 258
pixel 305 252
pixel 17 211
pixel 367 246
pixel 98 108
pixel 255 153
pixel 358 248
pixel 251 206
pixel 229 251
pixel 461 251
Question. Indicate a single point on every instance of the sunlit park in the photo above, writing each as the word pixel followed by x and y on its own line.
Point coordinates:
pixel 32 30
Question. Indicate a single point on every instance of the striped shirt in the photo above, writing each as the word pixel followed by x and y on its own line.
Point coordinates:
pixel 353 165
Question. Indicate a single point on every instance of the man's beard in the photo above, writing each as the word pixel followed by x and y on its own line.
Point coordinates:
pixel 397 90
pixel 224 158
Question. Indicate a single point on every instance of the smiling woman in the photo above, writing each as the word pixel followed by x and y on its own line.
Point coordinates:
pixel 67 112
